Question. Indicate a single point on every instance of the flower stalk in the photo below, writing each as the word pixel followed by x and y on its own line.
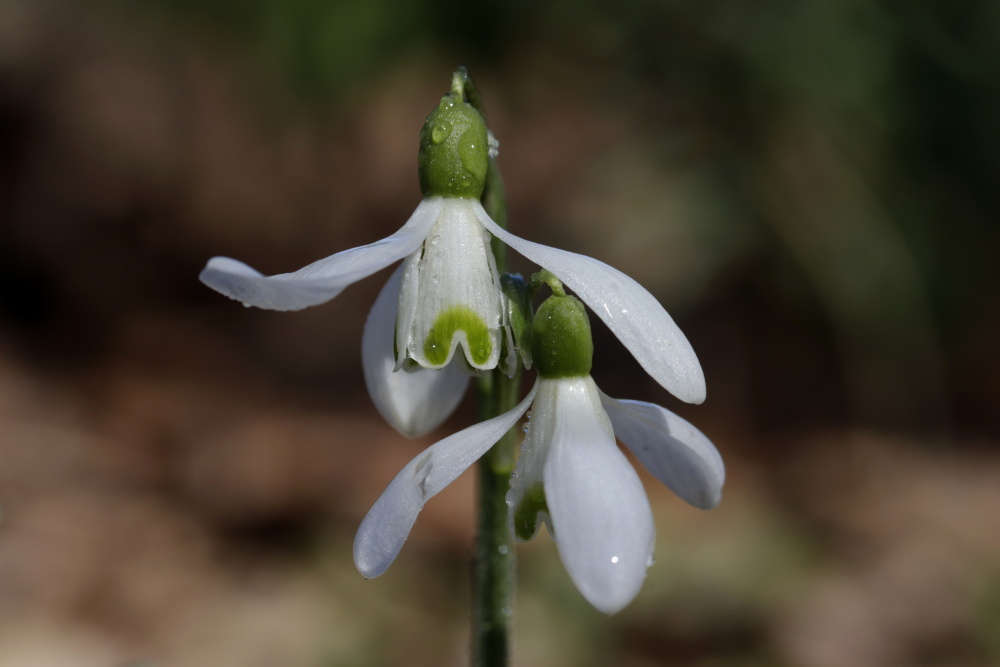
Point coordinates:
pixel 493 570
pixel 493 578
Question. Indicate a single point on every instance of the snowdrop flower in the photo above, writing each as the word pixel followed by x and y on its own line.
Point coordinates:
pixel 448 294
pixel 571 475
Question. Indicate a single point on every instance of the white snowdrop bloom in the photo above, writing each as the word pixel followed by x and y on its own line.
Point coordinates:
pixel 573 477
pixel 449 297
pixel 571 474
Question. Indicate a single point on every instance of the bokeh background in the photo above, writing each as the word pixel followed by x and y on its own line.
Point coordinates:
pixel 809 187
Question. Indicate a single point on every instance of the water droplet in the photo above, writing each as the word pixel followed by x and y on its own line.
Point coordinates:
pixel 650 560
pixel 614 559
pixel 506 611
pixel 472 155
pixel 503 549
pixel 441 131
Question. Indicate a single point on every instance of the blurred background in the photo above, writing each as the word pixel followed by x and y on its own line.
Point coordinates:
pixel 809 187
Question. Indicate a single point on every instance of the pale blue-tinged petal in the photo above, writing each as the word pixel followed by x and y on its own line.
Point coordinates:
pixel 413 403
pixel 600 514
pixel 678 454
pixel 321 280
pixel 388 523
pixel 629 310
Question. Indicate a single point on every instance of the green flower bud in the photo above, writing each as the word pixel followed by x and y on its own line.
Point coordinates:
pixel 561 344
pixel 453 151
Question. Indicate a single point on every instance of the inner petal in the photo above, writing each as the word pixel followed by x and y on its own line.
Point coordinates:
pixel 526 498
pixel 453 295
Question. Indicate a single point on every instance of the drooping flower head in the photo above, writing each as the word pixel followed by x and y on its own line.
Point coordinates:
pixel 447 295
pixel 571 475
pixel 450 295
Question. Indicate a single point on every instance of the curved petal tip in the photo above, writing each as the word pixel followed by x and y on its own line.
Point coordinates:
pixel 673 450
pixel 626 307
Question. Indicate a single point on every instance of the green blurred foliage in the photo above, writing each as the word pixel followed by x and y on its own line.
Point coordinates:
pixel 321 48
pixel 906 93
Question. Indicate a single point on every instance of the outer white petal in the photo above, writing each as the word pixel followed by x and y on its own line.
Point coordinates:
pixel 678 454
pixel 631 312
pixel 601 516
pixel 455 271
pixel 413 403
pixel 388 523
pixel 322 280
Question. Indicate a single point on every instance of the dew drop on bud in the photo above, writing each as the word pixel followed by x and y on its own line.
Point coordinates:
pixel 440 132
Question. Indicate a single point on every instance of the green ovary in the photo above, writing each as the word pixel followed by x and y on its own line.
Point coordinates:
pixel 449 322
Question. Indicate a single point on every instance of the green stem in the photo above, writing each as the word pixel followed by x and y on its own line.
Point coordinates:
pixel 493 571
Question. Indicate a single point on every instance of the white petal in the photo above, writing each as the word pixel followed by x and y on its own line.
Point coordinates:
pixel 322 280
pixel 601 516
pixel 451 294
pixel 413 403
pixel 529 472
pixel 388 523
pixel 678 454
pixel 631 312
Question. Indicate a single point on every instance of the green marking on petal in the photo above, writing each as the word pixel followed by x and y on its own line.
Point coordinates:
pixel 449 322
pixel 526 513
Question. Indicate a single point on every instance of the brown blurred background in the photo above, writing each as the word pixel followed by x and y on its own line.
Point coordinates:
pixel 809 187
